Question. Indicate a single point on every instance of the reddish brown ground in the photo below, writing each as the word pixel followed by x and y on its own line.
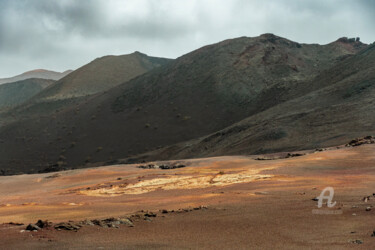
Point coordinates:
pixel 252 204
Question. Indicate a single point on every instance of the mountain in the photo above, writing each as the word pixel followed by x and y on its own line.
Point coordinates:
pixel 16 93
pixel 82 84
pixel 101 74
pixel 38 73
pixel 195 95
pixel 328 116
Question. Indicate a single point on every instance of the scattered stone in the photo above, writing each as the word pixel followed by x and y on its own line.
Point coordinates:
pixel 42 224
pixel 354 206
pixel 164 211
pixel 53 176
pixel 172 166
pixel 150 214
pixel 366 198
pixel 356 241
pixel 32 227
pixel 127 222
pixel 354 214
pixel 164 166
pixel 360 141
pixel 70 226
pixel 368 208
pixel 149 166
pixel 16 224
pixel 315 199
pixel 373 234
pixel 87 223
pixel 290 155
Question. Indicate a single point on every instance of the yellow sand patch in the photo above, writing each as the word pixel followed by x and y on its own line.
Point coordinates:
pixel 173 182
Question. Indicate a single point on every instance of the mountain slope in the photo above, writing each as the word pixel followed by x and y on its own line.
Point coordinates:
pixel 38 73
pixel 195 95
pixel 80 85
pixel 100 75
pixel 329 116
pixel 16 93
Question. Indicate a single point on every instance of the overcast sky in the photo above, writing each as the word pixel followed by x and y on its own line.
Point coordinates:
pixel 66 34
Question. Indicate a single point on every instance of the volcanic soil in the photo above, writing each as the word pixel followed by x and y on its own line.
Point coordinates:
pixel 237 202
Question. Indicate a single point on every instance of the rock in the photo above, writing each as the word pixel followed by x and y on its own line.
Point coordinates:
pixel 368 208
pixel 171 167
pixel 373 234
pixel 32 227
pixel 126 221
pixel 148 219
pixel 164 211
pixel 150 214
pixel 360 141
pixel 87 223
pixel 16 224
pixel 100 223
pixel 42 224
pixel 315 199
pixel 149 166
pixel 366 198
pixel 67 226
pixel 356 241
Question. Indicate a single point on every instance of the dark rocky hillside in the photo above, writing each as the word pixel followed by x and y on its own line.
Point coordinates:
pixel 199 93
pixel 328 116
pixel 16 93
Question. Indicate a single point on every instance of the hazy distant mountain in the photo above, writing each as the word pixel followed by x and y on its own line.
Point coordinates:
pixel 101 74
pixel 16 93
pixel 195 95
pixel 93 78
pixel 38 73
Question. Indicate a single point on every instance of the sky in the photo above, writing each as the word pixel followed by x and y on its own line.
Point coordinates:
pixel 66 34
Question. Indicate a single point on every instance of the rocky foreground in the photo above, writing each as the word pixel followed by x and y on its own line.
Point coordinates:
pixel 224 202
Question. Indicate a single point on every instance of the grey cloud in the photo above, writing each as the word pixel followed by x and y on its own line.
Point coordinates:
pixel 62 34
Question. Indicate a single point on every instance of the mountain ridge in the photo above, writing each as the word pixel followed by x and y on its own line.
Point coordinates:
pixel 37 73
pixel 195 95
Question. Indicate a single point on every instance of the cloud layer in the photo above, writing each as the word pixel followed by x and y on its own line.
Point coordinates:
pixel 64 34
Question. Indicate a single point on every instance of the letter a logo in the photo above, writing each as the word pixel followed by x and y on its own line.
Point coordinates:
pixel 328 197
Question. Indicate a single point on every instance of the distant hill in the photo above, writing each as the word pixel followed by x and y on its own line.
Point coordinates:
pixel 193 96
pixel 101 74
pixel 82 84
pixel 38 73
pixel 16 93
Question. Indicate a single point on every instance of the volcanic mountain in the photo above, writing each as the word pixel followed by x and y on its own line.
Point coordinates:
pixel 80 85
pixel 339 106
pixel 16 93
pixel 198 94
pixel 101 74
pixel 38 73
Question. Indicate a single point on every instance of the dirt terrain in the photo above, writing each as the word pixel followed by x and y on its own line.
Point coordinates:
pixel 224 202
